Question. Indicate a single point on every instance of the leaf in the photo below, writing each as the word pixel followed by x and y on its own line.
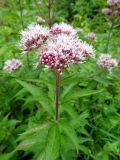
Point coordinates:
pixel 78 93
pixel 34 90
pixel 7 156
pixel 71 134
pixel 40 95
pixel 41 156
pixel 34 139
pixel 84 149
pixel 35 129
pixel 53 145
pixel 69 79
pixel 67 107
pixel 67 90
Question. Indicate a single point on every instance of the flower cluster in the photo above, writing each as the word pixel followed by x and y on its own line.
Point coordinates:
pixel 56 47
pixel 106 61
pixel 112 10
pixel 61 46
pixel 91 36
pixel 113 2
pixel 12 65
pixel 33 37
pixel 63 50
pixel 62 28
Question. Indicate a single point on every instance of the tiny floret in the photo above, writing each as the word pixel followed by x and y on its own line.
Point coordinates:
pixel 107 62
pixel 91 36
pixel 107 11
pixel 12 65
pixel 62 28
pixel 33 37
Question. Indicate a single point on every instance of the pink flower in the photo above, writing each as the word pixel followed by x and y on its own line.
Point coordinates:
pixel 112 2
pixel 33 37
pixel 106 61
pixel 91 36
pixel 12 65
pixel 107 11
pixel 64 50
pixel 63 28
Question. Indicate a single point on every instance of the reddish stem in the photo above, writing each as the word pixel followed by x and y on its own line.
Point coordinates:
pixel 57 95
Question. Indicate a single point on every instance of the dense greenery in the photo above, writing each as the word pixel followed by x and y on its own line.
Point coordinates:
pixel 89 115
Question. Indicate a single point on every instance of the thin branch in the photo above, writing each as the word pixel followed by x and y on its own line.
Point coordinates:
pixel 109 36
pixel 21 14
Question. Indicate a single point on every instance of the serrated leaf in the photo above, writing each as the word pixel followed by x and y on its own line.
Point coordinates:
pixel 67 90
pixel 70 132
pixel 35 129
pixel 7 156
pixel 39 94
pixel 78 93
pixel 53 145
pixel 34 90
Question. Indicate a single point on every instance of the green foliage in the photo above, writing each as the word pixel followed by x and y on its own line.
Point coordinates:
pixel 89 113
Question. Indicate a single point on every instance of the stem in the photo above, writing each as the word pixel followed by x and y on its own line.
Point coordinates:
pixel 57 95
pixel 21 14
pixel 37 6
pixel 109 36
pixel 28 61
pixel 49 13
pixel 50 4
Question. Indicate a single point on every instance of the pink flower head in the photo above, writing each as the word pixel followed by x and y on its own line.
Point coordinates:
pixel 106 61
pixel 91 36
pixel 64 50
pixel 33 37
pixel 12 65
pixel 107 11
pixel 112 2
pixel 62 28
pixel 86 50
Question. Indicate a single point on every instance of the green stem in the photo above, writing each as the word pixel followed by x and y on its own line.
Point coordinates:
pixel 21 14
pixel 28 61
pixel 109 36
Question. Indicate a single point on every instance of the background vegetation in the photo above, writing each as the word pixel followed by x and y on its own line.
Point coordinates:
pixel 89 97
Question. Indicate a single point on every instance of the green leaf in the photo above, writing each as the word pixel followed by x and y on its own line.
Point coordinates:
pixel 39 94
pixel 41 156
pixel 84 149
pixel 71 134
pixel 34 90
pixel 78 93
pixel 7 156
pixel 67 107
pixel 35 129
pixel 53 145
pixel 67 90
